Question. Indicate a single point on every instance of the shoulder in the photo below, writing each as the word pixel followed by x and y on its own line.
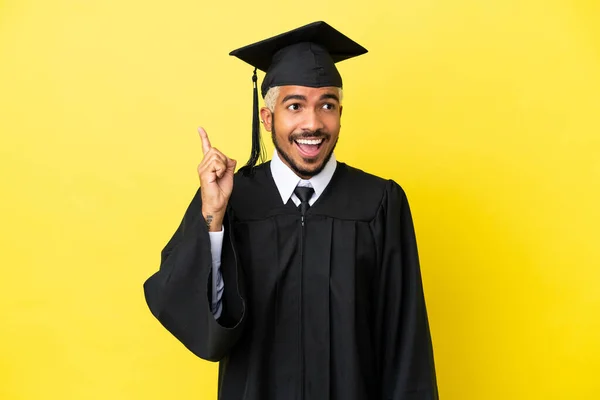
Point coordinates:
pixel 377 186
pixel 361 195
pixel 254 192
pixel 358 177
pixel 246 179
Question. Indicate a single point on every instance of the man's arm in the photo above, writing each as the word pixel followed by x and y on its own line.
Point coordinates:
pixel 405 346
pixel 218 286
pixel 178 294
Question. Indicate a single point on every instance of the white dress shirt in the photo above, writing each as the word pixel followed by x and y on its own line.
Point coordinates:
pixel 286 181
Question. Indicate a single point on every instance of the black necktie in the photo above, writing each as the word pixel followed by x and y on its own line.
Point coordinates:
pixel 304 194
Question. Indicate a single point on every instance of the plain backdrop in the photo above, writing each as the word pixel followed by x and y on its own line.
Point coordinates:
pixel 486 112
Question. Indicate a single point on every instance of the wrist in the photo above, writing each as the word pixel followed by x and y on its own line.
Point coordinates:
pixel 213 220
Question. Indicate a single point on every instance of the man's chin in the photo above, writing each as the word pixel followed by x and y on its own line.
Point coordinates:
pixel 310 162
pixel 308 170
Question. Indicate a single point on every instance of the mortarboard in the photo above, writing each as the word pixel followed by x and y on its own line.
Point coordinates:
pixel 305 56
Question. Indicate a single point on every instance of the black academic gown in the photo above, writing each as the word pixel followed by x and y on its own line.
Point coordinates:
pixel 332 309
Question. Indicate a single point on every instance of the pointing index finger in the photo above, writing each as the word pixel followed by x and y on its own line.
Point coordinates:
pixel 205 142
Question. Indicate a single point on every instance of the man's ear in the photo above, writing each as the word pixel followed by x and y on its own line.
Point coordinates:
pixel 341 109
pixel 266 117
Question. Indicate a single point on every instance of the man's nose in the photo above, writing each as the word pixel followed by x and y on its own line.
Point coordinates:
pixel 312 122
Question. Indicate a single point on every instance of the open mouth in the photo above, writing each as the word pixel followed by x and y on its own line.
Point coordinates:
pixel 309 147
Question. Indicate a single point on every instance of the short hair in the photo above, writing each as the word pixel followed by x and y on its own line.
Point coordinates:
pixel 273 94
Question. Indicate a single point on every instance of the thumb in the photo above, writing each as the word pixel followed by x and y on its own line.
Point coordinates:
pixel 231 163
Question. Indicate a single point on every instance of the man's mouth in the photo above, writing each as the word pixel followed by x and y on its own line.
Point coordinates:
pixel 309 147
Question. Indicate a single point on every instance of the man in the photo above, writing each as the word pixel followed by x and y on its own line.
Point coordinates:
pixel 299 275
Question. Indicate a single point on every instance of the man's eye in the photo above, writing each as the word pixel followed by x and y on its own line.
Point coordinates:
pixel 329 106
pixel 294 107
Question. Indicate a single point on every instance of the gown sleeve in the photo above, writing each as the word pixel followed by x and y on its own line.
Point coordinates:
pixel 405 347
pixel 179 294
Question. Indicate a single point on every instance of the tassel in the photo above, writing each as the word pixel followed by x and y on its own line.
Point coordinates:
pixel 258 149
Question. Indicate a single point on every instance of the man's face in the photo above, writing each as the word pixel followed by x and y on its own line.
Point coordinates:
pixel 305 127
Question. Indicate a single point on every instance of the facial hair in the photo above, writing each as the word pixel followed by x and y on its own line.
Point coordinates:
pixel 301 172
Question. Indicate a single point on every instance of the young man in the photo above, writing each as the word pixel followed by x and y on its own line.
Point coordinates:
pixel 299 275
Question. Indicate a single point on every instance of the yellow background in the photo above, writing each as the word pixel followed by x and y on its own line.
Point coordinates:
pixel 486 112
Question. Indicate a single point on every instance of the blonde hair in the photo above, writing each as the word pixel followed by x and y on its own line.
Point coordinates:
pixel 273 94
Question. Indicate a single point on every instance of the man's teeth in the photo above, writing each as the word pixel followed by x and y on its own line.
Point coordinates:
pixel 313 142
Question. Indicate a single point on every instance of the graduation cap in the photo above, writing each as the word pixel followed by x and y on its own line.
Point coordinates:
pixel 305 56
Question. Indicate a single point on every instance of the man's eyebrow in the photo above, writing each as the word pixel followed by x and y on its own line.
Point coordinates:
pixel 293 97
pixel 330 96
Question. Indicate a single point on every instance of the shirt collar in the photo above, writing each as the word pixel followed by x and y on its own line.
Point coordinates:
pixel 286 180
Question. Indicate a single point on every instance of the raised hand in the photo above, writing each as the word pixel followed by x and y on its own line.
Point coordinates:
pixel 216 182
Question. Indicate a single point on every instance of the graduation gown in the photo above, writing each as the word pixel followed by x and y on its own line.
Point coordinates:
pixel 330 307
